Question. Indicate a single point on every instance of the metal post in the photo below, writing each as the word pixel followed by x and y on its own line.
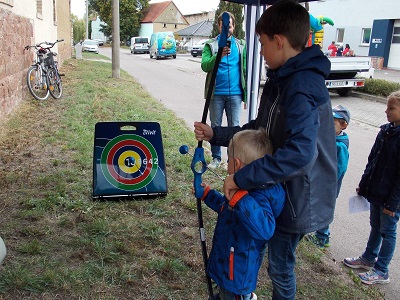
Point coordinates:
pixel 115 40
pixel 87 19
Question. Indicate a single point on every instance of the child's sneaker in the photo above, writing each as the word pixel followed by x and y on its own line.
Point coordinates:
pixel 214 163
pixel 320 243
pixel 374 276
pixel 357 263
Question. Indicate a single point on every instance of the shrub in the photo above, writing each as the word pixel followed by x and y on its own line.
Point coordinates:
pixel 379 87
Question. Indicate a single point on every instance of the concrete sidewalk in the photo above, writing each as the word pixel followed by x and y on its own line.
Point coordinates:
pixel 386 74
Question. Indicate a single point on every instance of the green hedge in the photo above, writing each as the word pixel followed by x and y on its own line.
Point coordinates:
pixel 379 87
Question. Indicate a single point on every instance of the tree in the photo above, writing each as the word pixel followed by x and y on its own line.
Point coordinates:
pixel 130 15
pixel 79 28
pixel 237 10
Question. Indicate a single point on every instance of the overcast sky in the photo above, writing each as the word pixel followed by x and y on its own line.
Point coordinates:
pixel 78 7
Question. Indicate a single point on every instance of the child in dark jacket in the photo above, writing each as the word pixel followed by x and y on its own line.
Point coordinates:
pixel 380 184
pixel 341 118
pixel 245 223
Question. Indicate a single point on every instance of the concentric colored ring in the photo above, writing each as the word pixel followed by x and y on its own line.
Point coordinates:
pixel 129 162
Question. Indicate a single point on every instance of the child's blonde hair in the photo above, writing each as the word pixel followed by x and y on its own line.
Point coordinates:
pixel 395 95
pixel 249 145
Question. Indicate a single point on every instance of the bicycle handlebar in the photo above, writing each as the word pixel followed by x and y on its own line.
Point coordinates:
pixel 37 46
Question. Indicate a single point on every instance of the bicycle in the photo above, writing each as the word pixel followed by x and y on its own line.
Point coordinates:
pixel 43 78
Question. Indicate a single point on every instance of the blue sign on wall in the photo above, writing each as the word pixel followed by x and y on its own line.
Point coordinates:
pixel 381 37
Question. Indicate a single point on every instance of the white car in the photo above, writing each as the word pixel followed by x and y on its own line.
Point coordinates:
pixel 197 49
pixel 90 46
pixel 99 42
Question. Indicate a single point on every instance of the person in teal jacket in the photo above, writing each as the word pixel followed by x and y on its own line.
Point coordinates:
pixel 245 223
pixel 341 118
pixel 230 83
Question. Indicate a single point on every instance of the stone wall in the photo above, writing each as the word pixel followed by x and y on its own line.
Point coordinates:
pixel 15 33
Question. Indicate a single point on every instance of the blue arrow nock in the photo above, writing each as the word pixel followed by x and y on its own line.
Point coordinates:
pixel 223 37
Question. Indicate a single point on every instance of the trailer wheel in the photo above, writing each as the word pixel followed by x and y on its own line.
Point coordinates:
pixel 344 92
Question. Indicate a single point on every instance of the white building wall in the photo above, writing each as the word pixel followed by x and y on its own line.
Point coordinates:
pixel 146 29
pixel 45 29
pixel 96 33
pixel 353 15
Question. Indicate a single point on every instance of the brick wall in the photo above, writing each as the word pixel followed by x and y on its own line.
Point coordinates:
pixel 15 33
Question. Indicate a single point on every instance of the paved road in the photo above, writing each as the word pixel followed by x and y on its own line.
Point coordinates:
pixel 178 84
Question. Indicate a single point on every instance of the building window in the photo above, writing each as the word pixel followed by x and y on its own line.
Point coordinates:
pixel 165 25
pixel 176 26
pixel 366 36
pixel 39 9
pixel 396 35
pixel 339 35
pixel 8 2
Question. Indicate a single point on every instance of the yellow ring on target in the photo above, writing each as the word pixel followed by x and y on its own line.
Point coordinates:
pixel 131 169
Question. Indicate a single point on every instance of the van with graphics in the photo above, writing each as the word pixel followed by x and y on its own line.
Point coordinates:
pixel 139 44
pixel 162 44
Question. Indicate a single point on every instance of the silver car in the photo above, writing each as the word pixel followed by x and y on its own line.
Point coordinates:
pixel 90 46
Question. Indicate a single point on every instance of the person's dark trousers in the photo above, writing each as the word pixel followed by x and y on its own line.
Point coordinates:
pixel 282 260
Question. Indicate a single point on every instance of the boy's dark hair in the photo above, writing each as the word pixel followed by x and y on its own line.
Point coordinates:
pixel 230 15
pixel 288 18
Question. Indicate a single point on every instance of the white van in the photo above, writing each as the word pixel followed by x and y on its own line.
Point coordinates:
pixel 139 44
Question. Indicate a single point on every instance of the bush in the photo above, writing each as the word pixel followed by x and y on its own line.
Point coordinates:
pixel 379 87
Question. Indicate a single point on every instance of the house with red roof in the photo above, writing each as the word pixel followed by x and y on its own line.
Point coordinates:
pixel 160 17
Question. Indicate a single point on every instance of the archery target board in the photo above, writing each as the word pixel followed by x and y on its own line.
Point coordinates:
pixel 128 160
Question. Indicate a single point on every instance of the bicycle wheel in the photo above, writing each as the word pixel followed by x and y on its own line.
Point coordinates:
pixel 37 83
pixel 55 83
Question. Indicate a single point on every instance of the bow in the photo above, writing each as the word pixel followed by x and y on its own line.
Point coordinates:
pixel 199 164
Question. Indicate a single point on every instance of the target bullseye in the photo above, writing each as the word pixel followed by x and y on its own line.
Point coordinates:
pixel 129 162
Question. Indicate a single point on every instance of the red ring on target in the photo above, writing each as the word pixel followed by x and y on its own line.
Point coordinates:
pixel 110 158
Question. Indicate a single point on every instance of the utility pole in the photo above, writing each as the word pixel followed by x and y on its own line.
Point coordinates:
pixel 87 19
pixel 115 39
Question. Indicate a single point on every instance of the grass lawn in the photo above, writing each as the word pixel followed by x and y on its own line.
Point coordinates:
pixel 63 245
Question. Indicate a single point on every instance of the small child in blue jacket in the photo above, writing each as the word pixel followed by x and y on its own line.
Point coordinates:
pixel 245 223
pixel 341 118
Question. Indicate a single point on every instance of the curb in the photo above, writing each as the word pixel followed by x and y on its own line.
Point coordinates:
pixel 368 97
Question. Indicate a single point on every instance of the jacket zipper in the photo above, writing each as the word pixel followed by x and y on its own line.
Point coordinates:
pixel 273 106
pixel 290 201
pixel 231 262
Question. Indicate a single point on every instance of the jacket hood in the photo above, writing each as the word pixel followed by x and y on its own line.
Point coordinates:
pixel 312 58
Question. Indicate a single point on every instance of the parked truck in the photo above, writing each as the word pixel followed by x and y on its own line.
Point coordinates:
pixel 346 73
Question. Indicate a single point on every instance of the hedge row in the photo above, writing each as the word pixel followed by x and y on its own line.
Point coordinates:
pixel 379 87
